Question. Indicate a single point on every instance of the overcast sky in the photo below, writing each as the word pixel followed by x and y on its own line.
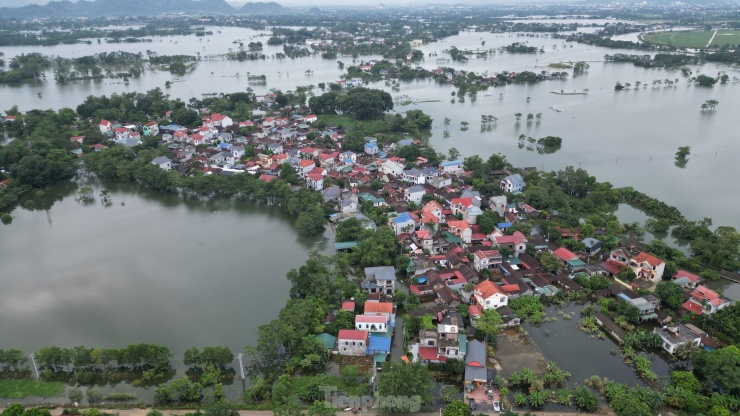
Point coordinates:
pixel 311 3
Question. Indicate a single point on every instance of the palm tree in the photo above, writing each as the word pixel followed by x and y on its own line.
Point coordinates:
pixel 687 351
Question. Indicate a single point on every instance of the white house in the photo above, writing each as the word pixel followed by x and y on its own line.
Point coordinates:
pixel 105 126
pixel 675 336
pixel 122 133
pixel 498 204
pixel 489 295
pixel 705 301
pixel 513 183
pixel 452 166
pixel 414 176
pixel 402 223
pixel 352 342
pixel 487 259
pixel 516 242
pixel 415 194
pixel 461 229
pixel 371 323
pixel 221 120
pixel 348 157
pixel 371 148
pixel 644 265
pixel 163 162
pixel 310 118
pixel 151 128
pixel 390 167
pixel 471 214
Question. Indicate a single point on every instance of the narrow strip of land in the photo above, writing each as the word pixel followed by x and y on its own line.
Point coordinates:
pixel 712 38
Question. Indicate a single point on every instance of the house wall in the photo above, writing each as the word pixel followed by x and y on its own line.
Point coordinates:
pixel 352 347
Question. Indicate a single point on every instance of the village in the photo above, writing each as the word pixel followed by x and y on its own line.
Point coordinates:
pixel 460 267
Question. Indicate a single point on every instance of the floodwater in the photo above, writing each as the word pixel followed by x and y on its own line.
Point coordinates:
pixel 583 355
pixel 628 138
pixel 149 268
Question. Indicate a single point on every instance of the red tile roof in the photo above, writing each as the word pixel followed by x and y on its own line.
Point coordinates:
pixel 683 273
pixel 378 307
pixel 692 307
pixel 487 289
pixel 352 334
pixel 348 306
pixel 647 258
pixel 474 310
pixel 564 254
pixel 371 319
pixel 430 353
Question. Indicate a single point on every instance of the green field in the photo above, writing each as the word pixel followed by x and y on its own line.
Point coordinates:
pixel 694 39
pixel 726 37
pixel 18 389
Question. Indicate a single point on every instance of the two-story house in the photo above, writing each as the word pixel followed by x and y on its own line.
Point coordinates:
pixel 372 323
pixel 489 295
pixel 513 183
pixel 487 259
pixel 676 336
pixel 705 301
pixel 352 342
pixel 381 279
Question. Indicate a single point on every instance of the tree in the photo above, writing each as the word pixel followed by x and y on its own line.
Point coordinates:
pixel 721 367
pixel 321 409
pixel 670 294
pixel 685 380
pixel 453 153
pixel 221 407
pixel 288 174
pixel 74 395
pixel 490 323
pixel 94 395
pixel 310 221
pixel 15 409
pixel 628 405
pixel 549 262
pixel 518 116
pixel 488 221
pixel 705 81
pixel 411 381
pixel 585 399
pixel 184 117
pixel 457 408
pixel 626 274
pixel 350 374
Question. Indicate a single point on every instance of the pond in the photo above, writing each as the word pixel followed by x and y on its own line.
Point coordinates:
pixel 150 268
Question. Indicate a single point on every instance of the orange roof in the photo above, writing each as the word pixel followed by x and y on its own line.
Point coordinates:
pixel 647 258
pixel 307 163
pixel 432 206
pixel 487 289
pixel 378 307
pixel 465 202
pixel 462 224
pixel 487 253
pixel 564 254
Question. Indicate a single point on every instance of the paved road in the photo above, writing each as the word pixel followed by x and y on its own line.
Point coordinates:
pixel 397 346
pixel 143 412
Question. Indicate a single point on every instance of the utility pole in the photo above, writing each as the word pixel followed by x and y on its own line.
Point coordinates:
pixel 35 368
pixel 241 365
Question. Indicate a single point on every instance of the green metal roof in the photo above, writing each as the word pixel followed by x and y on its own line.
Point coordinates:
pixel 346 245
pixel 327 339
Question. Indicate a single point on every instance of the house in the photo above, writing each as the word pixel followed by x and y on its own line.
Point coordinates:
pixel 487 259
pixel 461 205
pixel 311 118
pixel 452 166
pixel 475 363
pixel 498 204
pixel 349 158
pixel 516 242
pixel 644 265
pixel 647 309
pixel 222 158
pixel 461 229
pixel 348 306
pixel 375 308
pixel 592 245
pixel 163 162
pixel 122 133
pixel 221 120
pixel 315 180
pixel 371 148
pixel 349 205
pixel 105 126
pixel 151 129
pixel 77 139
pixel 391 167
pixel 331 194
pixel 352 342
pixel 403 223
pixel 686 279
pixel 675 336
pixel 489 295
pixel 440 181
pixel 564 255
pixel 414 176
pixel 513 183
pixel 705 301
pixel 372 323
pixel 380 279
pixel 415 194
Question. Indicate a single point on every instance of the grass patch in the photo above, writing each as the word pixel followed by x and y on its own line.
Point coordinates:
pixel 726 37
pixel 369 126
pixel 560 65
pixel 688 39
pixel 19 389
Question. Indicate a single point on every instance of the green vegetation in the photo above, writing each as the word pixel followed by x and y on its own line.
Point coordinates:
pixel 19 389
pixel 682 39
pixel 528 307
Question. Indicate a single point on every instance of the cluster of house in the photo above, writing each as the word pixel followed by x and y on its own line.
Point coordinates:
pixel 373 330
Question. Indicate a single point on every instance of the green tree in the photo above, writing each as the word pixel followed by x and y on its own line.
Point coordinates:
pixel 549 262
pixel 310 221
pixel 288 174
pixel 705 81
pixel 405 380
pixel 670 294
pixel 585 400
pixel 490 323
pixel 721 367
pixel 321 409
pixel 15 409
pixel 685 380
pixel 457 408
pixel 488 221
pixel 74 395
